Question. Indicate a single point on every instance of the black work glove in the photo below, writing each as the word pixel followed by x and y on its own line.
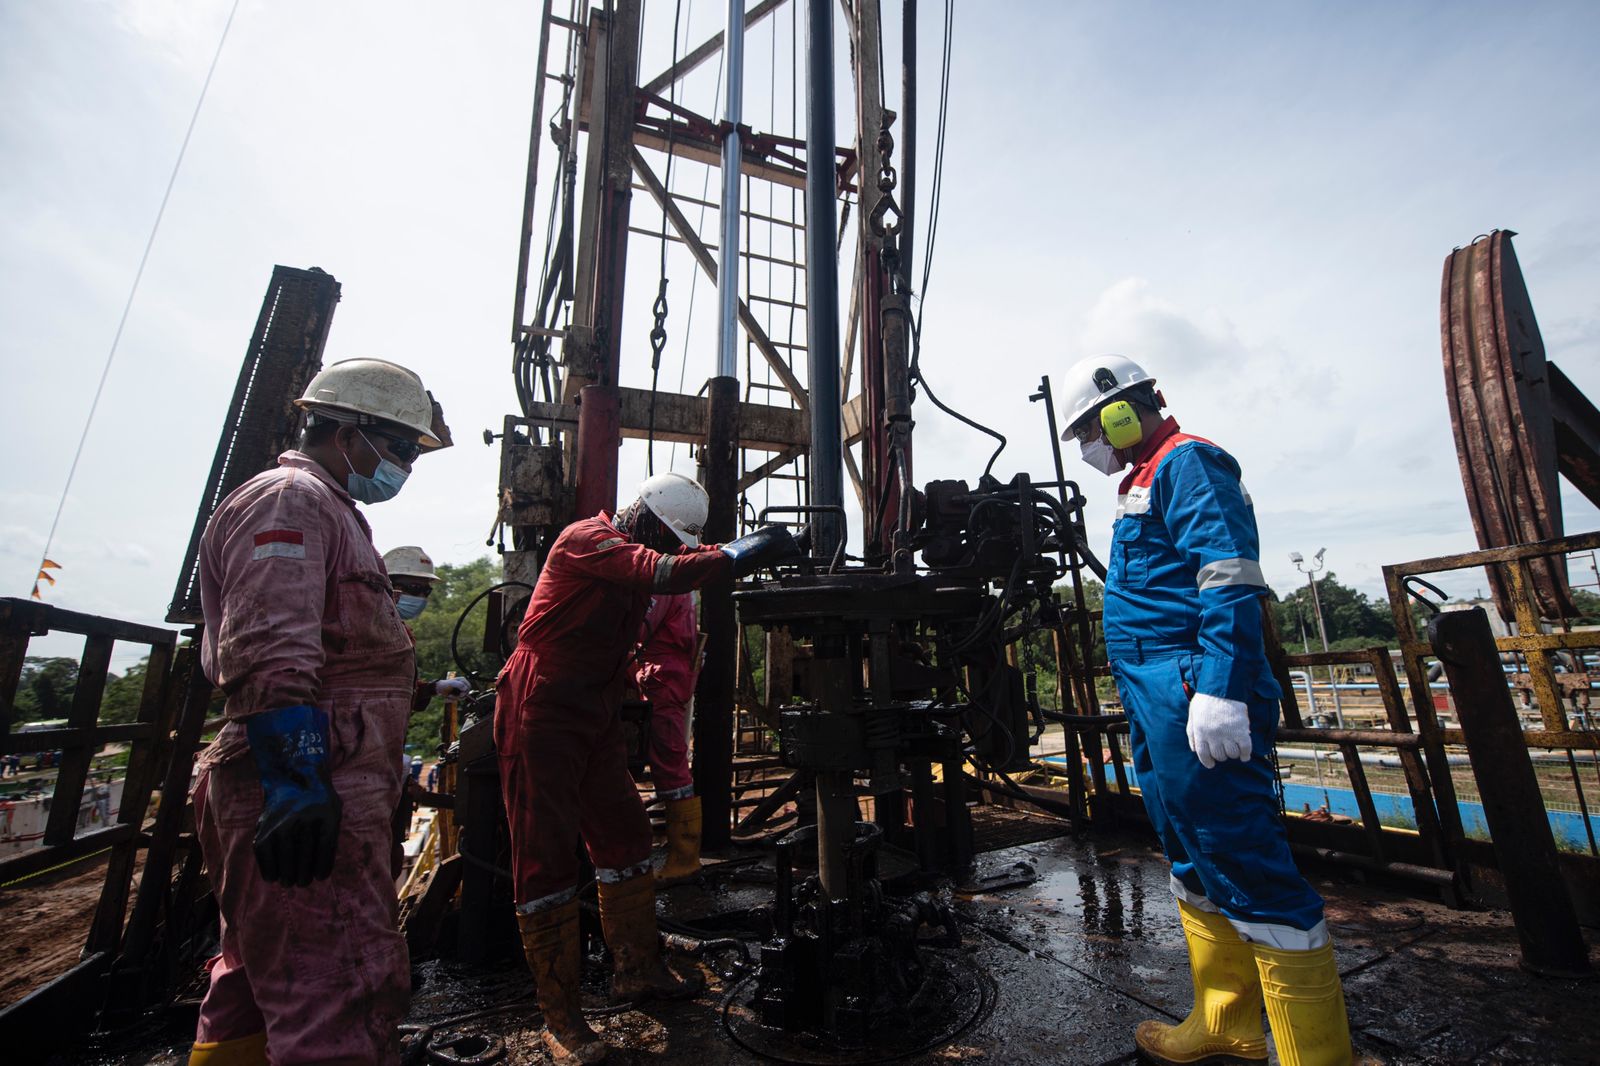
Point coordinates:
pixel 298 831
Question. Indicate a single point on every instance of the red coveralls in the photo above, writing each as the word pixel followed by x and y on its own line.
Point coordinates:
pixel 298 611
pixel 558 725
pixel 665 670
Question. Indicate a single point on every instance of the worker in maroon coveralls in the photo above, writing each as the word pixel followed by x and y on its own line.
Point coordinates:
pixel 558 727
pixel 293 799
pixel 665 668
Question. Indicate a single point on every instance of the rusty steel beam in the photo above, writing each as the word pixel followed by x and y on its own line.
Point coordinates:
pixel 1513 805
pixel 1500 411
pixel 1577 434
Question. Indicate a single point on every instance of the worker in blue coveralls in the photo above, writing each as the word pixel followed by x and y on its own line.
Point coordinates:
pixel 1183 633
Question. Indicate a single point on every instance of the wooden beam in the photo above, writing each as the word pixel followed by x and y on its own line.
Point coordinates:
pixel 770 467
pixel 850 330
pixel 708 264
pixel 855 477
pixel 855 418
pixel 705 51
pixel 681 419
pixel 688 146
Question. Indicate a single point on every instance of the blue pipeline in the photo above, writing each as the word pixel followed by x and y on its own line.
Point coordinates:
pixel 1396 810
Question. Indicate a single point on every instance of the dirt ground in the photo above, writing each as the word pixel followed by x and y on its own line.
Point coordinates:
pixel 46 920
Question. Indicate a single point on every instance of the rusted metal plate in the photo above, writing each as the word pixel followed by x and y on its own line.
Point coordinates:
pixel 1500 411
pixel 1577 425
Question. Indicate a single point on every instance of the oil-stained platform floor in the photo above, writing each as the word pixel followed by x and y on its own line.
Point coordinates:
pixel 1081 952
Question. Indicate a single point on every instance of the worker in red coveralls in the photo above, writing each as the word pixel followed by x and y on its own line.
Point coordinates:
pixel 665 668
pixel 293 799
pixel 558 728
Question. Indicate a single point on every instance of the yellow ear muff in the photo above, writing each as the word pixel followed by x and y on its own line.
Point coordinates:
pixel 1121 424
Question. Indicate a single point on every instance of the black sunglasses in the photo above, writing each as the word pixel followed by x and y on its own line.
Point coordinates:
pixel 404 450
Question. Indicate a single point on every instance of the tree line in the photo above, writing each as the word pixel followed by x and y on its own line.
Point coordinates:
pixel 1352 619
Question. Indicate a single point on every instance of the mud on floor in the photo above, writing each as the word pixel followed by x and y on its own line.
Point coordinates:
pixel 1081 941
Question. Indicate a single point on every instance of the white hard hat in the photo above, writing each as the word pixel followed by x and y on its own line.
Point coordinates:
pixel 1090 382
pixel 409 561
pixel 373 389
pixel 680 502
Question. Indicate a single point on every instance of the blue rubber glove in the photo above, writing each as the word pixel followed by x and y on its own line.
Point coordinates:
pixel 767 545
pixel 298 831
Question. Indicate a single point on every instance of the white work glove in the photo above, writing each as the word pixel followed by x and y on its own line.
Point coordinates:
pixel 1219 730
pixel 452 688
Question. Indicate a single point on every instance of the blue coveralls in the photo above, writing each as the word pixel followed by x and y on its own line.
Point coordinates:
pixel 1182 615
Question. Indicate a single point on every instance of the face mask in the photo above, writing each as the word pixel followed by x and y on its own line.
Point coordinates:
pixel 384 483
pixel 410 606
pixel 1100 455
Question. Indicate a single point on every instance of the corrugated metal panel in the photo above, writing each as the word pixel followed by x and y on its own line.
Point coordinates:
pixel 284 353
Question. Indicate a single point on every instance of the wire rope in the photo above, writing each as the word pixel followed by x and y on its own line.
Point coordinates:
pixel 138 276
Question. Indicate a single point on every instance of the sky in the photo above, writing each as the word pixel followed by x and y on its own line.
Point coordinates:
pixel 1253 199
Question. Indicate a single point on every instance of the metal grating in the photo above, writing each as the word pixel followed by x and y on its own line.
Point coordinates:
pixel 285 352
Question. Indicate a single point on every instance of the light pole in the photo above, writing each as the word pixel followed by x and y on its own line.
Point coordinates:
pixel 1316 605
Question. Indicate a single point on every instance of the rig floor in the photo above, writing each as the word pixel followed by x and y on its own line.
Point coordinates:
pixel 1082 945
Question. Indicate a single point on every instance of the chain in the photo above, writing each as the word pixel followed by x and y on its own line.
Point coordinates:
pixel 658 332
pixel 886 214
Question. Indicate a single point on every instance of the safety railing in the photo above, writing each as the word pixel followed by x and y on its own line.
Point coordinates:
pixel 161 742
pixel 1551 664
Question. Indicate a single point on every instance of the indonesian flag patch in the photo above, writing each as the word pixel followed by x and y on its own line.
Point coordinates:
pixel 280 544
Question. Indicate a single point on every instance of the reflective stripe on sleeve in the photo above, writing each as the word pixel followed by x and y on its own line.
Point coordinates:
pixel 663 573
pixel 609 542
pixel 1230 572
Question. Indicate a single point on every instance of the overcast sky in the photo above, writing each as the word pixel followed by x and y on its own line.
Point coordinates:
pixel 1255 200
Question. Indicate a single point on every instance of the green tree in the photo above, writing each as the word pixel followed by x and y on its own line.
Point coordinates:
pixel 120 703
pixel 1036 652
pixel 1588 605
pixel 458 586
pixel 1351 619
pixel 45 688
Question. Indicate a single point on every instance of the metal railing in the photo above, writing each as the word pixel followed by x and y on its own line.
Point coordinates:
pixel 161 744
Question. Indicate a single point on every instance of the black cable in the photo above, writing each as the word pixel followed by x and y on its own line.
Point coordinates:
pixel 936 187
pixel 935 198
pixel 455 634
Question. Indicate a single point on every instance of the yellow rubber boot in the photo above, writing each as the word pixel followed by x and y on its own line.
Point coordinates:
pixel 1305 1006
pixel 241 1051
pixel 1225 1024
pixel 550 941
pixel 683 841
pixel 628 917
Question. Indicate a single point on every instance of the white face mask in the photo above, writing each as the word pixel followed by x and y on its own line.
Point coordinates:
pixel 1102 456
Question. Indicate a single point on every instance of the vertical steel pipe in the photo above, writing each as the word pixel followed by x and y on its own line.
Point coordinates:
pixel 728 245
pixel 599 438
pixel 822 279
pixel 714 692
